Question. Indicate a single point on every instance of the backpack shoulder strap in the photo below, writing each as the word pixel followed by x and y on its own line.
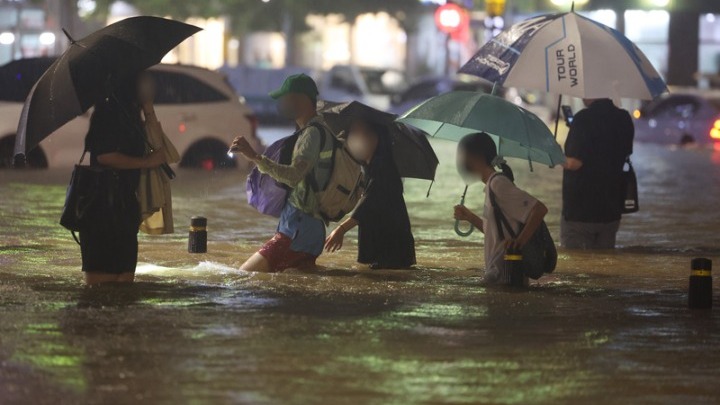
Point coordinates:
pixel 324 162
pixel 312 177
pixel 500 218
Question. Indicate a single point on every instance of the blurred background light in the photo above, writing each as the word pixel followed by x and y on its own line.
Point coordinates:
pixel 7 38
pixel 47 38
pixel 568 3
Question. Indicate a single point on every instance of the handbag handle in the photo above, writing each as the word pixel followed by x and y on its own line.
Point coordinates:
pixel 139 132
pixel 82 157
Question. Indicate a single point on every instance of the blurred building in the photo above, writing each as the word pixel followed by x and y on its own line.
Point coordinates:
pixel 33 28
pixel 207 48
pixel 680 37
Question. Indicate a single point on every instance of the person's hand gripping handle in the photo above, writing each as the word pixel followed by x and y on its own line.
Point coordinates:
pixel 459 231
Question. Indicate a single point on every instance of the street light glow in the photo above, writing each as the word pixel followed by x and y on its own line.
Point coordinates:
pixel 659 3
pixel 47 38
pixel 7 38
pixel 568 3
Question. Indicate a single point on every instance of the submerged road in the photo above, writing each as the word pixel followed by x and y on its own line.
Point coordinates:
pixel 605 328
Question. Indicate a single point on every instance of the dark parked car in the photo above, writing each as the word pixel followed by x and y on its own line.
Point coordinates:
pixel 680 118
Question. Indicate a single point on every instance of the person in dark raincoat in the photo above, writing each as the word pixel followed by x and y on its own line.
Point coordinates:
pixel 385 238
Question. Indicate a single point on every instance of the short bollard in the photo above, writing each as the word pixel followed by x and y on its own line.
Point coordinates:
pixel 700 291
pixel 197 240
pixel 514 267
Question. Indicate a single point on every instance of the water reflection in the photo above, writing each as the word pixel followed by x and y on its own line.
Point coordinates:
pixel 606 327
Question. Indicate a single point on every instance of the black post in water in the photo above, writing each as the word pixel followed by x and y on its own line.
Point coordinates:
pixel 514 267
pixel 197 240
pixel 700 291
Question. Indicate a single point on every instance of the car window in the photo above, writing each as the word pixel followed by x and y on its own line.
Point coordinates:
pixel 342 79
pixel 383 82
pixel 178 88
pixel 674 107
pixel 18 78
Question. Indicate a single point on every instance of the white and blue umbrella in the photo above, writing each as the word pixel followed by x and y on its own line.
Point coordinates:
pixel 567 54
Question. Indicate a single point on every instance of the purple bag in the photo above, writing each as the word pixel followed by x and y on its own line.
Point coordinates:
pixel 265 193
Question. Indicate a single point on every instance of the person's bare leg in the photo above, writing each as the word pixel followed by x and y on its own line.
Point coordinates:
pixel 99 278
pixel 256 263
pixel 128 277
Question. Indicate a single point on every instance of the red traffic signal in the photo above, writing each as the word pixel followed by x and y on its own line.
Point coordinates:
pixel 451 18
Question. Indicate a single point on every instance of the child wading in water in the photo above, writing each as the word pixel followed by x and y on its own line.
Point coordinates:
pixel 477 158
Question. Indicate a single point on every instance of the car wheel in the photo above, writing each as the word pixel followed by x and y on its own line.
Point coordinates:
pixel 35 159
pixel 208 154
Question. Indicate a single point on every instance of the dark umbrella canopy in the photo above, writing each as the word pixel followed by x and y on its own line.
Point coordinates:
pixel 88 70
pixel 414 157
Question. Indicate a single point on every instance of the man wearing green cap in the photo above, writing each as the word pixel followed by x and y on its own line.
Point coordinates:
pixel 300 234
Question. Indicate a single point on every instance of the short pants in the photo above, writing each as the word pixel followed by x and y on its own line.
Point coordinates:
pixel 280 257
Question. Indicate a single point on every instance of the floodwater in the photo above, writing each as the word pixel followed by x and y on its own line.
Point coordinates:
pixel 605 328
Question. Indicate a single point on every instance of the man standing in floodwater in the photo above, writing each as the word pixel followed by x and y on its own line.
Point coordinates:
pixel 599 142
pixel 300 235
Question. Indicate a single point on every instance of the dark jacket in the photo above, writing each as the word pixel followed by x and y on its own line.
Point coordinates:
pixel 601 136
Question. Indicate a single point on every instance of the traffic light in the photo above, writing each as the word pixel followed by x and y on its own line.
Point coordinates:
pixel 452 19
pixel 495 8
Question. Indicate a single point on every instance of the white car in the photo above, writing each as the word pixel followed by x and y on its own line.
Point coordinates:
pixel 680 118
pixel 199 111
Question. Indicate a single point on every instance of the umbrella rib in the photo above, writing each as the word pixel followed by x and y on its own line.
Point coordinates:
pixel 508 47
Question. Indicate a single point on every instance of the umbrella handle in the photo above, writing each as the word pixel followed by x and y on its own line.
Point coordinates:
pixel 459 231
pixel 462 233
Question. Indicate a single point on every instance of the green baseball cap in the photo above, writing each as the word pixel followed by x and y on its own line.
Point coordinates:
pixel 297 84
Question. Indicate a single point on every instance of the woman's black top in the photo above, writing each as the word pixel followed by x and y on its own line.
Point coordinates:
pixel 116 129
pixel 384 233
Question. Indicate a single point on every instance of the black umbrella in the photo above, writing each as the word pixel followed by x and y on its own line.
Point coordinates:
pixel 412 152
pixel 89 69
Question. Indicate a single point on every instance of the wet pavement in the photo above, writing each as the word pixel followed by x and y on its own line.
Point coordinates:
pixel 605 328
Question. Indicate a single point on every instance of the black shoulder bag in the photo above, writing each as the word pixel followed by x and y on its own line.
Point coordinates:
pixel 539 254
pixel 91 196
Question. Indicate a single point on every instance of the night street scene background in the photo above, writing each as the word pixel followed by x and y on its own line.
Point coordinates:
pixel 607 326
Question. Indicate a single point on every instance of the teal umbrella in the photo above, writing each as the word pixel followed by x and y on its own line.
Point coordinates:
pixel 516 131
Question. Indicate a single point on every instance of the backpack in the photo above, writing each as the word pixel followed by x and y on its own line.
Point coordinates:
pixel 264 193
pixel 343 189
pixel 336 179
pixel 539 254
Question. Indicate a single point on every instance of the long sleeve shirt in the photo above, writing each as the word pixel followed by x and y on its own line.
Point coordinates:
pixel 305 156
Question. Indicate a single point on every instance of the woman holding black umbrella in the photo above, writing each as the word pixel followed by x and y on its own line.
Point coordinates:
pixel 116 141
pixel 385 238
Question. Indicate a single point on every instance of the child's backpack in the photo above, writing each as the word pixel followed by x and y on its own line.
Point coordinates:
pixel 539 254
pixel 264 193
pixel 344 186
pixel 336 179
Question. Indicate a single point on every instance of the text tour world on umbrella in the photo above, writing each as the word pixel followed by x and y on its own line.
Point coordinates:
pixel 567 64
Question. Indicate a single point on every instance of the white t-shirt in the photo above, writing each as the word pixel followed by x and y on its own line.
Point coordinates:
pixel 516 205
